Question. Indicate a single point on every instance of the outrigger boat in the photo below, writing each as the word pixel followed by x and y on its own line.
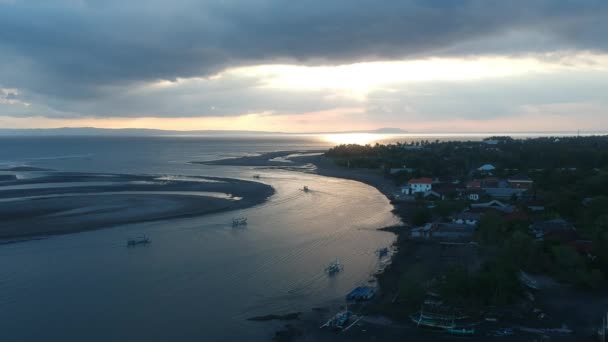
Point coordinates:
pixel 141 240
pixel 463 331
pixel 334 268
pixel 339 321
pixel 602 332
pixel 239 221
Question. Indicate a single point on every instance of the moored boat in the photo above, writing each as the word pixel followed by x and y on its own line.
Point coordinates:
pixel 141 240
pixel 334 267
pixel 239 221
pixel 339 321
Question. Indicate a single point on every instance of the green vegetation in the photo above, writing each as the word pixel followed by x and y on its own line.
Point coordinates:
pixel 570 176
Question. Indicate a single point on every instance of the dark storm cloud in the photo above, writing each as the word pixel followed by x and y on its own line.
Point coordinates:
pixel 84 49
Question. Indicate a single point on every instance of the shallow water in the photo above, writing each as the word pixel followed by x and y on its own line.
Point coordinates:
pixel 200 278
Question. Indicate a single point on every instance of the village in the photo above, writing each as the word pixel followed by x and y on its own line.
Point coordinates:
pixel 495 245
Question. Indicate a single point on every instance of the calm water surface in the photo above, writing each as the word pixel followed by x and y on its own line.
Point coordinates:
pixel 199 279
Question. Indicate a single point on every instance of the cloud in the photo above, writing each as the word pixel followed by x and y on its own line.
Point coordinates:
pixel 73 49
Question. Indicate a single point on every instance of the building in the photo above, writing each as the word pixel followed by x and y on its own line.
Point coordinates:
pixel 504 193
pixel 467 218
pixel 556 229
pixel 398 170
pixel 443 232
pixel 418 185
pixel 520 182
pixel 473 194
pixel 486 168
pixel 494 204
pixel 474 184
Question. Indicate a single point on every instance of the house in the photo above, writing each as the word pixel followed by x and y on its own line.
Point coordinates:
pixel 467 218
pixel 473 194
pixel 445 190
pixel 535 205
pixel 486 168
pixel 556 229
pixel 398 170
pixel 418 185
pixel 520 182
pixel 494 204
pixel 492 182
pixel 474 184
pixel 434 194
pixel 443 232
pixel 504 193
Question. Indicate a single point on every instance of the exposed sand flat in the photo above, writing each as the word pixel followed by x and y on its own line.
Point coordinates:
pixel 34 207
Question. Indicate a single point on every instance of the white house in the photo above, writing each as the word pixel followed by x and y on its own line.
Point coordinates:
pixel 418 185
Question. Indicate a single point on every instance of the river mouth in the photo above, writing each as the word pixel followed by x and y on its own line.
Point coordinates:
pixel 198 278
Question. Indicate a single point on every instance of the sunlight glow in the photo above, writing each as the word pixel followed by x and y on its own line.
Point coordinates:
pixel 354 138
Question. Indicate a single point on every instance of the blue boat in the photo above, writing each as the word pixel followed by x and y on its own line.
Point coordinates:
pixel 361 293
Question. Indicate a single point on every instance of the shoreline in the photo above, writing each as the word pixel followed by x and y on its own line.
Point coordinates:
pixel 384 322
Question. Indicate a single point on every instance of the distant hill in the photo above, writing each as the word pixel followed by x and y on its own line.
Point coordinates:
pixel 160 132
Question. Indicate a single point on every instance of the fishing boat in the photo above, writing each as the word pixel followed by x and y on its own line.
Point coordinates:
pixel 141 240
pixel 434 314
pixel 256 176
pixel 503 332
pixel 462 331
pixel 602 332
pixel 334 267
pixel 239 221
pixel 339 321
pixel 305 189
pixel 382 252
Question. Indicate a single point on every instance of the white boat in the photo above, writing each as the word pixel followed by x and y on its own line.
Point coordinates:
pixel 239 221
pixel 334 267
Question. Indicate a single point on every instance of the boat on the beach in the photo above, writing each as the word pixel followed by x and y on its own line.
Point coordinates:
pixel 334 267
pixel 339 321
pixel 503 332
pixel 434 314
pixel 462 331
pixel 382 252
pixel 239 222
pixel 602 332
pixel 140 240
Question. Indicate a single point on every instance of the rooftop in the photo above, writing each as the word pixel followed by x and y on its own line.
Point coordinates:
pixel 423 180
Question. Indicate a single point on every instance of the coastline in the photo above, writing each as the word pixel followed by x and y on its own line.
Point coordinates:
pixel 306 325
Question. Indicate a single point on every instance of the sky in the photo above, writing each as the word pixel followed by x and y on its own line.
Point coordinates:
pixel 307 66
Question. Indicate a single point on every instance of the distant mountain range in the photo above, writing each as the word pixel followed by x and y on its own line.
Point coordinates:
pixel 160 132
